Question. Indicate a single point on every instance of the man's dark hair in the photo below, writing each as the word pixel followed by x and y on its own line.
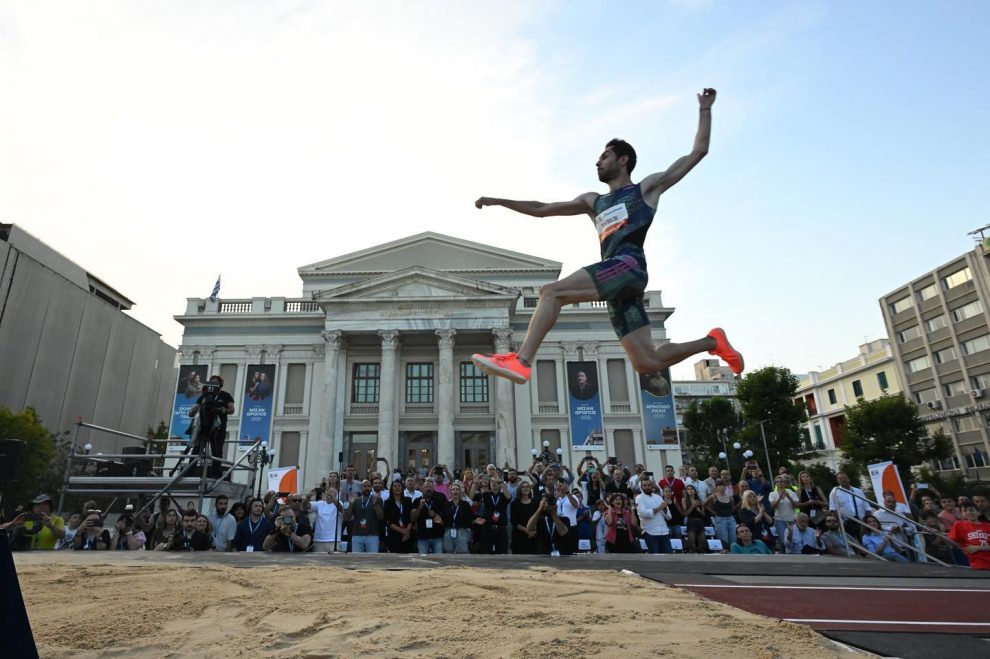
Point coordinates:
pixel 623 148
pixel 218 378
pixel 967 506
pixel 221 496
pixel 189 512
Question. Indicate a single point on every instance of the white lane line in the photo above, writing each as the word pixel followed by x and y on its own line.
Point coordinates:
pixel 889 622
pixel 908 590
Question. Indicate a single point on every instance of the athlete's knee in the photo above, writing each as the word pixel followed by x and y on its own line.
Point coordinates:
pixel 645 364
pixel 552 292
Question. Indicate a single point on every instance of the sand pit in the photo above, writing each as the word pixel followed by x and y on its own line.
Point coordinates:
pixel 116 607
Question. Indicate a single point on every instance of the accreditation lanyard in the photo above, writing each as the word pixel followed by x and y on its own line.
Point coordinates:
pixel 550 530
pixel 453 517
pixel 253 527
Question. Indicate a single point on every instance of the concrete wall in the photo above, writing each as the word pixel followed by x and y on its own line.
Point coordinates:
pixel 69 354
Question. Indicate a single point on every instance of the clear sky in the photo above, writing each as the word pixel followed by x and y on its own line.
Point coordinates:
pixel 158 144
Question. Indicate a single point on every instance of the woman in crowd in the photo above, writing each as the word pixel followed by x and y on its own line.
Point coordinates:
pixel 168 525
pixel 880 543
pixel 753 515
pixel 203 525
pixel 676 508
pixel 239 511
pixel 467 483
pixel 721 507
pixel 522 510
pixel 596 486
pixel 812 500
pixel 783 502
pixel 745 544
pixel 620 530
pixel 126 537
pixel 398 527
pixel 694 517
pixel 91 534
pixel 458 521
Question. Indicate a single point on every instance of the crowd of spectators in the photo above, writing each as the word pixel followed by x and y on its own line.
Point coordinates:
pixel 548 509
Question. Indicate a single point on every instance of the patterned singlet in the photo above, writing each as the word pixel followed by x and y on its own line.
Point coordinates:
pixel 622 219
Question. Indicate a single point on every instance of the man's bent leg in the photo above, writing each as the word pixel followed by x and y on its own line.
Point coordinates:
pixel 576 287
pixel 647 359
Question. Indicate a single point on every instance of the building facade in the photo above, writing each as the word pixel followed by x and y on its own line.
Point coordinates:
pixel 68 350
pixel 940 337
pixel 373 361
pixel 714 380
pixel 868 376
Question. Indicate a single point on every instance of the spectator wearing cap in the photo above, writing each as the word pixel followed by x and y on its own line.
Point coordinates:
pixel 38 529
pixel 745 544
pixel 292 533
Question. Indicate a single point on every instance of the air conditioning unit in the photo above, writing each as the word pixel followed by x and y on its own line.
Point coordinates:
pixel 977 393
pixel 935 404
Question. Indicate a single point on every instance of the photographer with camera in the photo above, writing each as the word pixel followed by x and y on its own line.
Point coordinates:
pixel 216 405
pixel 189 539
pixel 550 529
pixel 292 533
pixel 91 535
pixel 125 537
pixel 38 529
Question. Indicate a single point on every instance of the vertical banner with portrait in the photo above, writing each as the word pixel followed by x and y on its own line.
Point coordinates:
pixel 659 417
pixel 187 390
pixel 585 406
pixel 257 408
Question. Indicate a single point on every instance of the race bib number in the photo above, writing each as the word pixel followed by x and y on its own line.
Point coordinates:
pixel 611 220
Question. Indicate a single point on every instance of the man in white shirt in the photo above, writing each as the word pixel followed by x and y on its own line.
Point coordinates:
pixel 851 502
pixel 326 533
pixel 634 480
pixel 567 507
pixel 653 515
pixel 700 486
pixel 411 490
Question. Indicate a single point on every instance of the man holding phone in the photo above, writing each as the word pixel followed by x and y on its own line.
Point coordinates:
pixel 38 529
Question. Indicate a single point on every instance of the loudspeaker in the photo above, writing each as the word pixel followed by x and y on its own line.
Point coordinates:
pixel 13 453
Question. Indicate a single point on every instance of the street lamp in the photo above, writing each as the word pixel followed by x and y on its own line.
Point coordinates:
pixel 766 451
pixel 258 458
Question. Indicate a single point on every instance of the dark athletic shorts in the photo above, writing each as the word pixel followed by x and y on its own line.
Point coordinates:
pixel 621 282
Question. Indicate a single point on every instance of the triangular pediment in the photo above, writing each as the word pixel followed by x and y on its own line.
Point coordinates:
pixel 434 251
pixel 413 284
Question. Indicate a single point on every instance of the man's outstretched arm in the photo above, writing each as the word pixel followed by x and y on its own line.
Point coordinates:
pixel 580 205
pixel 655 185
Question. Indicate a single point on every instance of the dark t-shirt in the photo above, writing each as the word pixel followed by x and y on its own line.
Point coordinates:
pixel 250 533
pixel 223 398
pixel 494 509
pixel 282 542
pixel 199 541
pixel 437 503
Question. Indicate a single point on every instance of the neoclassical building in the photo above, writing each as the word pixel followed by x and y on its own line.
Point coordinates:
pixel 373 361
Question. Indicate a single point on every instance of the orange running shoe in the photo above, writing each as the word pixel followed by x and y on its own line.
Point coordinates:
pixel 726 352
pixel 504 366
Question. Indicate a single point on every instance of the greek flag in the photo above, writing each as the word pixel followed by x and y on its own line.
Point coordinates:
pixel 216 290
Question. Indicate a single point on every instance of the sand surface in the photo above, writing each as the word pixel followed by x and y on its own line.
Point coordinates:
pixel 121 609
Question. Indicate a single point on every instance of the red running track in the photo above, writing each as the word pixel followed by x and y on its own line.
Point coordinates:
pixel 861 608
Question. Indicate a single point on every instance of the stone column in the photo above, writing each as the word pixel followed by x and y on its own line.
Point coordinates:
pixel 387 438
pixel 505 415
pixel 333 341
pixel 445 398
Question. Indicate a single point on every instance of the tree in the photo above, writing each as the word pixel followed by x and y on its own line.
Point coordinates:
pixel 889 428
pixel 704 423
pixel 44 465
pixel 768 395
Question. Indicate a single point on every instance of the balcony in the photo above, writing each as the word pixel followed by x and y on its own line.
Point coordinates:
pixel 620 408
pixel 292 410
pixel 419 408
pixel 364 408
pixel 475 408
pixel 548 408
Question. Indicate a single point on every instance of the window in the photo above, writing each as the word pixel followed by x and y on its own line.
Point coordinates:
pixel 928 292
pixel 831 397
pixel 295 384
pixel 882 381
pixel 936 323
pixel 918 364
pixel 964 423
pixel 546 381
pixel 978 344
pixel 958 277
pixel 912 332
pixel 530 302
pixel 288 450
pixel 857 389
pixel 903 304
pixel 948 464
pixel 367 382
pixel 945 355
pixel 618 384
pixel 974 308
pixel 809 402
pixel 976 459
pixel 819 440
pixel 980 381
pixel 925 396
pixel 419 383
pixel 474 384
pixel 954 388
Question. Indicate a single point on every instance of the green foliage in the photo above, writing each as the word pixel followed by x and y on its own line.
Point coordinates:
pixel 889 428
pixel 824 476
pixel 704 424
pixel 768 395
pixel 161 432
pixel 952 485
pixel 44 466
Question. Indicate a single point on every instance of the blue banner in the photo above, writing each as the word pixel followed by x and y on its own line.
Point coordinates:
pixel 258 405
pixel 585 406
pixel 187 390
pixel 659 417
